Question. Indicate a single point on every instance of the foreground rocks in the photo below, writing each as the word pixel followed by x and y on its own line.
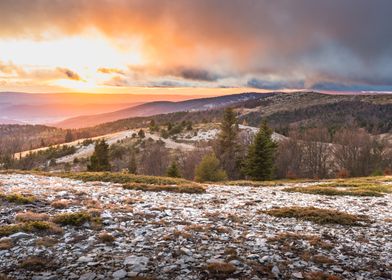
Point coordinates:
pixel 217 235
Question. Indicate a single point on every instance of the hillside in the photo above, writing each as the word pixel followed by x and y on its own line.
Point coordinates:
pixel 160 107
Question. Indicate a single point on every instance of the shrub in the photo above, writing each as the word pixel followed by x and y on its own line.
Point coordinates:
pixel 73 219
pixel 317 215
pixel 36 226
pixel 31 216
pixel 34 263
pixel 60 204
pixel 183 188
pixel 209 170
pixel 221 268
pixel 18 198
pixel 106 237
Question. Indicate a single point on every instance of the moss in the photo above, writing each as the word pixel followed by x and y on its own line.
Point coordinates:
pixel 185 188
pixel 18 198
pixel 35 226
pixel 73 219
pixel 318 215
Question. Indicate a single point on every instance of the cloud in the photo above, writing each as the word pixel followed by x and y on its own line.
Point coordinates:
pixel 69 74
pixel 274 85
pixel 104 70
pixel 314 41
pixel 117 81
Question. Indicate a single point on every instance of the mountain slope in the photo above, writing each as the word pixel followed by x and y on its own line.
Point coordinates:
pixel 160 107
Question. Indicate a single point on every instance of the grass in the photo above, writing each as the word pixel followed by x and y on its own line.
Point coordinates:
pixel 318 215
pixel 106 237
pixel 121 178
pixel 73 219
pixel 182 188
pixel 349 188
pixel 271 183
pixel 221 268
pixel 46 241
pixel 31 217
pixel 60 204
pixel 18 198
pixel 35 226
pixel 35 263
pixel 6 244
pixel 289 239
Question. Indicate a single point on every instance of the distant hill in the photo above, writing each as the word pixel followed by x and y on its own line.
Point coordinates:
pixel 161 107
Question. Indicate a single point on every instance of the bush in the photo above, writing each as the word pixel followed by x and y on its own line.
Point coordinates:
pixel 209 170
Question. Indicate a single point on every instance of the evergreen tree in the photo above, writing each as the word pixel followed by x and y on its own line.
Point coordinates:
pixel 141 133
pixel 259 163
pixel 132 167
pixel 68 136
pixel 209 170
pixel 227 147
pixel 173 171
pixel 99 161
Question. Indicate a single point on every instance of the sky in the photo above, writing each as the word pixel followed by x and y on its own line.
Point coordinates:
pixel 195 46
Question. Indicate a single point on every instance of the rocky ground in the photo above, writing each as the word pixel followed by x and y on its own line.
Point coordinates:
pixel 221 234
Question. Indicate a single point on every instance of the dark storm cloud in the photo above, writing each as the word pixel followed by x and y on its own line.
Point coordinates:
pixel 263 84
pixel 309 40
pixel 197 74
pixel 70 74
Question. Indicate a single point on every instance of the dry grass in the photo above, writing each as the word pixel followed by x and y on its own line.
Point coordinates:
pixel 18 198
pixel 348 187
pixel 73 219
pixel 6 244
pixel 121 178
pixel 221 269
pixel 36 226
pixel 318 215
pixel 35 263
pixel 31 217
pixel 272 183
pixel 106 237
pixel 183 188
pixel 46 241
pixel 287 239
pixel 320 276
pixel 60 204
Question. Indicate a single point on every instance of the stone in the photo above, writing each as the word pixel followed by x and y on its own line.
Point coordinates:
pixel 20 235
pixel 119 274
pixel 88 276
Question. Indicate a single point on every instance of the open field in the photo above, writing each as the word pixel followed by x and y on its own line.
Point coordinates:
pixel 90 229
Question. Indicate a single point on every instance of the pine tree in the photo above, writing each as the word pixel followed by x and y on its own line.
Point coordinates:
pixel 209 170
pixel 173 171
pixel 99 161
pixel 259 163
pixel 227 147
pixel 141 133
pixel 68 136
pixel 132 167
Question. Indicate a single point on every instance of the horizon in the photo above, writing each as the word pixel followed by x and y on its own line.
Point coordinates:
pixel 194 47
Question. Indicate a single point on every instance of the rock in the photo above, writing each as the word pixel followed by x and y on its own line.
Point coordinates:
pixel 186 251
pixel 20 235
pixel 298 275
pixel 88 276
pixel 275 270
pixel 138 264
pixel 119 274
pixel 84 259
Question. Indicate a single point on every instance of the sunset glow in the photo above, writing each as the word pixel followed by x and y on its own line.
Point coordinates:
pixel 117 46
